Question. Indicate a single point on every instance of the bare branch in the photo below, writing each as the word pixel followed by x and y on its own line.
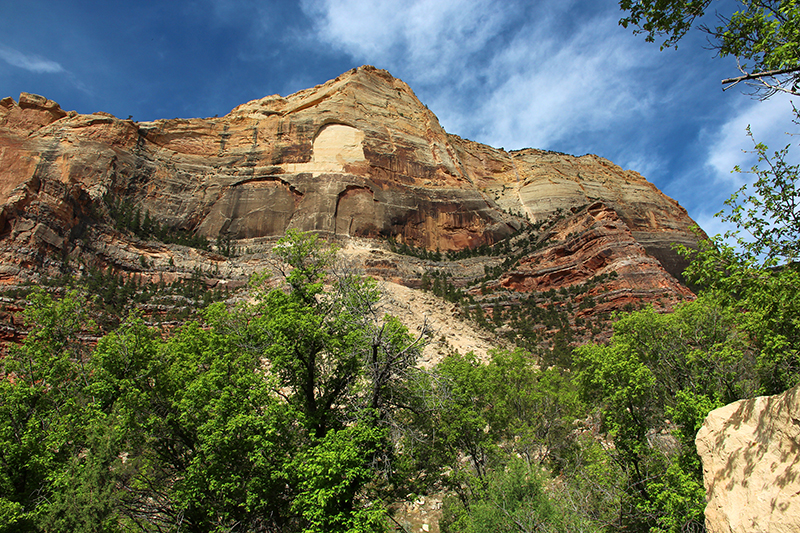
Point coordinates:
pixel 761 77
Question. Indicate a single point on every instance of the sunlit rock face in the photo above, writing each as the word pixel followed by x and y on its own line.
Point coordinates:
pixel 595 241
pixel 751 452
pixel 358 159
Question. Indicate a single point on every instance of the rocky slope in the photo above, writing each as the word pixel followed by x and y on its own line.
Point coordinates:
pixel 358 159
pixel 750 451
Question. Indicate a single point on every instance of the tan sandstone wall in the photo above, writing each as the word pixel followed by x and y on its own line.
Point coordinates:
pixel 751 465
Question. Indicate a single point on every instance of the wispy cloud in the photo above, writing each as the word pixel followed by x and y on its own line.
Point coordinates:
pixel 563 87
pixel 729 146
pixel 505 73
pixel 30 62
pixel 430 38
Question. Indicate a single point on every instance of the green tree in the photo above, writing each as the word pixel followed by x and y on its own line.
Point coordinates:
pixel 759 276
pixel 767 213
pixel 341 367
pixel 273 415
pixel 473 417
pixel 538 406
pixel 653 385
pixel 514 500
pixel 457 426
pixel 41 407
pixel 189 432
pixel 329 346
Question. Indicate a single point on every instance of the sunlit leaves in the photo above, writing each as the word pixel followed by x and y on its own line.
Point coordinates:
pixel 670 19
pixel 329 476
pixel 767 33
pixel 768 211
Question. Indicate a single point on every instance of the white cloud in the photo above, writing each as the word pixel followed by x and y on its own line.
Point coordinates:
pixel 29 62
pixel 648 165
pixel 504 73
pixel 430 38
pixel 714 180
pixel 729 145
pixel 564 86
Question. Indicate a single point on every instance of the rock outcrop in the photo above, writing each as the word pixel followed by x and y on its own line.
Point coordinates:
pixel 751 465
pixel 359 159
pixel 595 241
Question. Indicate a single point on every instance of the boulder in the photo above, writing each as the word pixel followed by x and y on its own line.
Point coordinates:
pixel 751 465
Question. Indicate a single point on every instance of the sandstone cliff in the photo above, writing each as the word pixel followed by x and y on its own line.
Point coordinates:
pixel 751 452
pixel 359 159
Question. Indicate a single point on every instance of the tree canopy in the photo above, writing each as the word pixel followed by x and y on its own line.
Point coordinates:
pixel 271 415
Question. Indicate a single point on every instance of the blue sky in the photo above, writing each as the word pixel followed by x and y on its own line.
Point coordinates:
pixel 554 74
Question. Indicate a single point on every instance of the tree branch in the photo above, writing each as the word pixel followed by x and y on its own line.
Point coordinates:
pixel 757 75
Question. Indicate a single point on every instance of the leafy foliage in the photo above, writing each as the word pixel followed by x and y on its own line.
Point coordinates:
pixel 475 418
pixel 41 408
pixel 758 279
pixel 330 475
pixel 765 33
pixel 653 385
pixel 270 416
pixel 513 500
pixel 668 18
pixel 770 214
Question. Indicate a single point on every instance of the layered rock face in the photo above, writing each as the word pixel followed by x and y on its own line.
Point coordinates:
pixel 595 241
pixel 751 452
pixel 358 159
